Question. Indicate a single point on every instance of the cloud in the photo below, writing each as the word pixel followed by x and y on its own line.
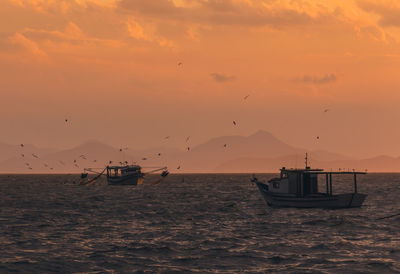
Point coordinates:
pixel 221 78
pixel 318 80
pixel 388 11
pixel 30 46
pixel 139 32
pixel 224 13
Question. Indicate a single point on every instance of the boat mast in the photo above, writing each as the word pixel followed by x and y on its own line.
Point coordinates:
pixel 307 167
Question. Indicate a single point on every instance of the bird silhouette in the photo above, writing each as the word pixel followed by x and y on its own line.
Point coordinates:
pixel 22 145
pixel 180 64
pixel 224 145
pixel 179 167
pixel 245 97
pixel 234 123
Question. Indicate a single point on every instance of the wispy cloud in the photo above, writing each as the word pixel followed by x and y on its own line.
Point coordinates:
pixel 318 80
pixel 221 78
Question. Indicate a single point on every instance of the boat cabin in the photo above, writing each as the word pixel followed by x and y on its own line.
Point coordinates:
pixel 122 171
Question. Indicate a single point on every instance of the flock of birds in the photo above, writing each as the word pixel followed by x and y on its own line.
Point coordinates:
pixel 84 157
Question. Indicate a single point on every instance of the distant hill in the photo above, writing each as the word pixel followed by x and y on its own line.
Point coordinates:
pixel 259 152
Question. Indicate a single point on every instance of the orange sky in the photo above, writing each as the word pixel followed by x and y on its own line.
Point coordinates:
pixel 111 68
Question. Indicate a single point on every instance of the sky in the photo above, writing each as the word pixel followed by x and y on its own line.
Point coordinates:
pixel 130 72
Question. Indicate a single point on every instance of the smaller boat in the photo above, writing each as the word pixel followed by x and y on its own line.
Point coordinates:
pixel 299 188
pixel 124 175
pixel 121 175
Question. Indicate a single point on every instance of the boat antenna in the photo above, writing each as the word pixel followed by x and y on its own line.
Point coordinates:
pixel 307 167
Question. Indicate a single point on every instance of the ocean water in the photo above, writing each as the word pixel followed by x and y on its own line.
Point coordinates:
pixel 191 223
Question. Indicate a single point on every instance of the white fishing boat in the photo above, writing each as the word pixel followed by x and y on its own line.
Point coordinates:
pixel 299 188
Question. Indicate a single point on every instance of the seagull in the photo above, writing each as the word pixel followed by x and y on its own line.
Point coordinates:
pixel 234 123
pixel 245 97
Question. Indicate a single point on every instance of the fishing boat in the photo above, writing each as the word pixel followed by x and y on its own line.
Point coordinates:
pixel 122 174
pixel 299 188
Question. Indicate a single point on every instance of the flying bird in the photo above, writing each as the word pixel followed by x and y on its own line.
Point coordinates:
pixel 34 155
pixel 159 154
pixel 234 123
pixel 22 145
pixel 180 64
pixel 318 137
pixel 326 110
pixel 245 97
pixel 120 149
pixel 224 145
pixel 179 167
pixel 66 120
pixel 188 148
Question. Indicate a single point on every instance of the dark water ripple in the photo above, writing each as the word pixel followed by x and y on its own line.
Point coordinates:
pixel 208 223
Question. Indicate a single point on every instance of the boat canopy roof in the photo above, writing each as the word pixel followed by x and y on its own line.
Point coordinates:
pixel 124 167
pixel 318 171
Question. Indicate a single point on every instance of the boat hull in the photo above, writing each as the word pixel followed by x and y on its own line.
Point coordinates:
pixel 126 180
pixel 321 201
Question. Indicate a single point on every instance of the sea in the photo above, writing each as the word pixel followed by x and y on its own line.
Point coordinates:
pixel 206 223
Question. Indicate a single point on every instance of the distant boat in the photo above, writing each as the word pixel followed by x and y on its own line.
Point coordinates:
pixel 125 175
pixel 121 175
pixel 299 188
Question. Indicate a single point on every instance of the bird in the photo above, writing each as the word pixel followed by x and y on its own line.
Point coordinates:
pixel 66 120
pixel 180 64
pixel 234 123
pixel 159 154
pixel 144 158
pixel 74 161
pixel 245 97
pixel 82 156
pixel 179 167
pixel 120 149
pixel 34 155
pixel 326 110
pixel 22 145
pixel 188 148
pixel 318 137
pixel 224 145
pixel 110 162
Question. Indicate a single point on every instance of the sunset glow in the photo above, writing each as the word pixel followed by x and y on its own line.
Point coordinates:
pixel 149 69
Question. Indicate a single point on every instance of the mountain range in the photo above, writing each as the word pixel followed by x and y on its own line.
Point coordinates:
pixel 257 153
